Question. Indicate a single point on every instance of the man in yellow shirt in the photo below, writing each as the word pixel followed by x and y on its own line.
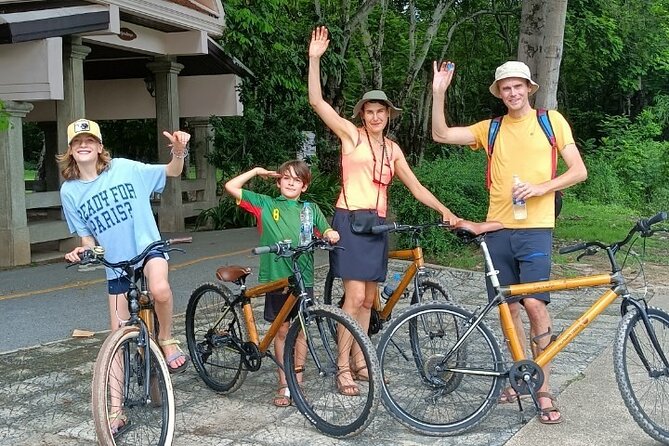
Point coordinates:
pixel 522 251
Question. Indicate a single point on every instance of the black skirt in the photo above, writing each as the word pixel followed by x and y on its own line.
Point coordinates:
pixel 364 258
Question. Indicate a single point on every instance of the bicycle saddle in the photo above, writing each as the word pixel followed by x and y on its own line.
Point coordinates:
pixel 469 230
pixel 232 273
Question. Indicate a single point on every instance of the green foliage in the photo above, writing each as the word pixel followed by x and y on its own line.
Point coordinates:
pixel 458 181
pixel 631 164
pixel 323 191
pixel 134 139
pixel 4 118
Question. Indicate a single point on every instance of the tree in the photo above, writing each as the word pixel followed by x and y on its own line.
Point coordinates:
pixel 540 46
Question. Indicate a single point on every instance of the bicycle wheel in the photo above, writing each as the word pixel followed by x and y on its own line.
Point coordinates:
pixel 215 333
pixel 642 378
pixel 312 362
pixel 119 393
pixel 333 290
pixel 427 396
pixel 430 289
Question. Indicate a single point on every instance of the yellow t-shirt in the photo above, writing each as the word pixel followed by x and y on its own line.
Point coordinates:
pixel 522 149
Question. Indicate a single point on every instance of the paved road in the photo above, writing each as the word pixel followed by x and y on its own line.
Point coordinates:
pixel 45 390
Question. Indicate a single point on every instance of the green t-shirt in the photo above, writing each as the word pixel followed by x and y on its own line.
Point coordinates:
pixel 278 219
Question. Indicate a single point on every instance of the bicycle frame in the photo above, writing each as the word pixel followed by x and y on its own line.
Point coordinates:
pixel 415 255
pixel 615 280
pixel 296 282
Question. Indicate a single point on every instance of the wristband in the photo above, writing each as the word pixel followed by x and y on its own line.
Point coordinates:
pixel 180 156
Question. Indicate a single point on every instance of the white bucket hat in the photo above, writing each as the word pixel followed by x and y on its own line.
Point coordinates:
pixel 512 68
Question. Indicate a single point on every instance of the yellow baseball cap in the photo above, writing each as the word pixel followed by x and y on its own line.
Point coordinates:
pixel 83 126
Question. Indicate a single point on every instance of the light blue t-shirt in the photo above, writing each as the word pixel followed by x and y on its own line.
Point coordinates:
pixel 115 208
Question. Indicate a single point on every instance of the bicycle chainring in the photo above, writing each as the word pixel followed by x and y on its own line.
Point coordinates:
pixel 525 375
pixel 251 356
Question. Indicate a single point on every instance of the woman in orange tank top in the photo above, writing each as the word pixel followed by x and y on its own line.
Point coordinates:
pixel 369 161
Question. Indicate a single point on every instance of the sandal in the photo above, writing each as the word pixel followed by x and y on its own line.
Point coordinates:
pixel 509 395
pixel 174 356
pixel 357 376
pixel 282 397
pixel 546 411
pixel 346 389
pixel 118 423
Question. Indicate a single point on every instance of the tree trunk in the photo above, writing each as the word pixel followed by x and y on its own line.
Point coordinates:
pixel 540 46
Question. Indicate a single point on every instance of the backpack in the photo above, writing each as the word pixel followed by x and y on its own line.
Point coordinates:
pixel 545 124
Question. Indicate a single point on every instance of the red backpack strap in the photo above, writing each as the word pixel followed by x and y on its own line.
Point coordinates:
pixel 493 130
pixel 545 123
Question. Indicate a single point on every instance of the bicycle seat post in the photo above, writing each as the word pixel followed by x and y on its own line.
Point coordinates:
pixel 491 272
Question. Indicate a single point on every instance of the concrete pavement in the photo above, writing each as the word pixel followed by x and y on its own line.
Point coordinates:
pixel 45 389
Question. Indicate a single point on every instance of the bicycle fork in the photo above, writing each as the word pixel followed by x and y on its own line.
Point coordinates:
pixel 641 308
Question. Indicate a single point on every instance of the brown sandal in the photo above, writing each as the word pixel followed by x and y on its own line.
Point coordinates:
pixel 346 389
pixel 282 397
pixel 546 411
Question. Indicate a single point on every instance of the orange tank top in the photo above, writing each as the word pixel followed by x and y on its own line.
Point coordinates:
pixel 366 176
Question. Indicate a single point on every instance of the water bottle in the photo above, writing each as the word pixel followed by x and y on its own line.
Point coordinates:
pixel 390 287
pixel 306 224
pixel 519 206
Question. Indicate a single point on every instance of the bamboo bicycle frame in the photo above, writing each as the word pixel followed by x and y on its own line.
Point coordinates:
pixel 282 317
pixel 416 256
pixel 616 281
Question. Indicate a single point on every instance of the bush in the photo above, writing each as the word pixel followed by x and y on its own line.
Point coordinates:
pixel 323 191
pixel 458 181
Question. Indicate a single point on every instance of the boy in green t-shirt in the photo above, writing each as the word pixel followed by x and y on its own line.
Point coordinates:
pixel 279 219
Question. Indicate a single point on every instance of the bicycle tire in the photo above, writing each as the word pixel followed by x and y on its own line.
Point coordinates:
pixel 430 289
pixel 333 290
pixel 644 395
pixel 149 422
pixel 214 331
pixel 317 395
pixel 427 401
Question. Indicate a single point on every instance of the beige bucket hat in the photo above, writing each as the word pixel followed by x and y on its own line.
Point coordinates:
pixel 512 68
pixel 376 95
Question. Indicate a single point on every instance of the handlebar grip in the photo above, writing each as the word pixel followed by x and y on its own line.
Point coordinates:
pixel 266 249
pixel 660 216
pixel 573 248
pixel 380 229
pixel 177 241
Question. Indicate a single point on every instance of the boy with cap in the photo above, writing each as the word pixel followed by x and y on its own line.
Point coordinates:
pixel 522 250
pixel 278 218
pixel 107 202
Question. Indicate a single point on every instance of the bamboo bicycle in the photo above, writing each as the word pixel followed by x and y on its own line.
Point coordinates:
pixel 126 384
pixel 464 371
pixel 426 286
pixel 224 344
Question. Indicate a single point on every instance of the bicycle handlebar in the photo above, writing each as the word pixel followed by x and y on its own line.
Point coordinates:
pixel 285 248
pixel 642 226
pixel 397 227
pixel 96 254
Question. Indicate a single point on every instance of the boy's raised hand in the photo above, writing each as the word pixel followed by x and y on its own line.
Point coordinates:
pixel 178 140
pixel 267 174
pixel 443 74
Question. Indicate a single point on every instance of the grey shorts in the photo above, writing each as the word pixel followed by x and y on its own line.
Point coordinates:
pixel 520 256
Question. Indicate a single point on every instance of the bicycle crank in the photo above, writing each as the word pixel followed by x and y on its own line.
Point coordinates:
pixel 251 356
pixel 526 377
